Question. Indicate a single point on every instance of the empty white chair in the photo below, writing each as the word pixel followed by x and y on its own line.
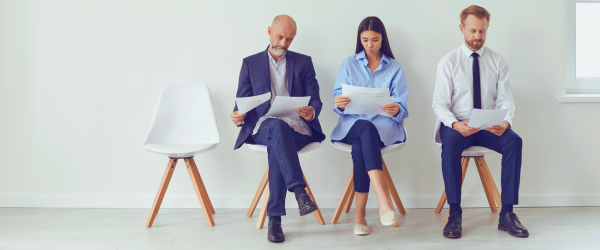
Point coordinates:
pixel 477 153
pixel 346 200
pixel 183 125
pixel 265 181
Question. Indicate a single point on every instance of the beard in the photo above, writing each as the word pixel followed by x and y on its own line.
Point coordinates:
pixel 475 46
pixel 278 49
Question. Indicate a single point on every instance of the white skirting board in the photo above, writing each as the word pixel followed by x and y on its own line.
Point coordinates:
pixel 186 201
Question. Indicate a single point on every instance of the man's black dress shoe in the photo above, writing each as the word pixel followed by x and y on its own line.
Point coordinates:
pixel 275 232
pixel 510 222
pixel 306 205
pixel 453 228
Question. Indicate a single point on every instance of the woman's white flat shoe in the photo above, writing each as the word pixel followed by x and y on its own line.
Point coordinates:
pixel 361 229
pixel 389 218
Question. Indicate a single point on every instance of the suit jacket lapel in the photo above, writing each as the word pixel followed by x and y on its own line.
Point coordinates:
pixel 265 70
pixel 289 70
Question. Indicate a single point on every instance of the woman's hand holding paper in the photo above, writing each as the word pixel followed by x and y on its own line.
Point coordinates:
pixel 341 102
pixel 391 109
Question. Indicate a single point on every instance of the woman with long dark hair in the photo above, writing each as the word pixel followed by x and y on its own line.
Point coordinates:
pixel 373 66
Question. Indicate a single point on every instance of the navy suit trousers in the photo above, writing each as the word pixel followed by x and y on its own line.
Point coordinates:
pixel 283 144
pixel 509 145
pixel 366 152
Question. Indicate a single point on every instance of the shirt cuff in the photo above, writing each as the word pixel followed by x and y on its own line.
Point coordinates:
pixel 398 117
pixel 311 119
pixel 338 110
pixel 509 120
pixel 448 122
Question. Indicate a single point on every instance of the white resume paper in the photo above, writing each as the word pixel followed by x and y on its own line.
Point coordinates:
pixel 485 118
pixel 285 106
pixel 246 104
pixel 366 101
pixel 349 90
pixel 366 105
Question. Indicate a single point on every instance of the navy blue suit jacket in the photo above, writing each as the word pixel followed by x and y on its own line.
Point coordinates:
pixel 255 79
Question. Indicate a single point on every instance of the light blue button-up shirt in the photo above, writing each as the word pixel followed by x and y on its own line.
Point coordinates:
pixel 389 74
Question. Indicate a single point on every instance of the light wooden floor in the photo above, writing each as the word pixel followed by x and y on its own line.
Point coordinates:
pixel 123 229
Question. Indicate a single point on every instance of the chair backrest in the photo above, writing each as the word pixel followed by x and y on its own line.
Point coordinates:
pixel 184 114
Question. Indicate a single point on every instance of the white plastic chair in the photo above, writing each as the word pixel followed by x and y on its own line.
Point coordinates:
pixel 183 125
pixel 265 180
pixel 346 200
pixel 477 153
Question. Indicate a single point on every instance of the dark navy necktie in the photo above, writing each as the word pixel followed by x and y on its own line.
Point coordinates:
pixel 476 82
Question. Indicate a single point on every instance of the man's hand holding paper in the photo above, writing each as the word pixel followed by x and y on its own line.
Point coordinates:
pixel 245 104
pixel 306 112
pixel 490 120
pixel 500 129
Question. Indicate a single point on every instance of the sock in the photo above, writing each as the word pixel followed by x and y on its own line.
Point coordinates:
pixel 506 209
pixel 298 190
pixel 455 208
pixel 275 218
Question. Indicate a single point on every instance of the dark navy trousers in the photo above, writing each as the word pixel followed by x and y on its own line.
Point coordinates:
pixel 366 152
pixel 283 144
pixel 509 145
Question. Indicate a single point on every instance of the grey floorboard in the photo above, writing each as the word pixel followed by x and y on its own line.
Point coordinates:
pixel 123 229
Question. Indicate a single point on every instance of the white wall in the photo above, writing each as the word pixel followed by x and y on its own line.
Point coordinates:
pixel 79 81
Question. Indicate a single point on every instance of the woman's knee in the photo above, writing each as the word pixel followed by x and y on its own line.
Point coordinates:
pixel 365 125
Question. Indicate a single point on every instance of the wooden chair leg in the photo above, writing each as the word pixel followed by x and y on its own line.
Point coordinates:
pixel 259 192
pixel 162 189
pixel 203 188
pixel 442 202
pixel 392 188
pixel 484 181
pixel 349 200
pixel 199 187
pixel 389 197
pixel 491 183
pixel 263 209
pixel 317 213
pixel 343 199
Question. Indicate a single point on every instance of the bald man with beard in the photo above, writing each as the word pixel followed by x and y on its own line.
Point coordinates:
pixel 282 73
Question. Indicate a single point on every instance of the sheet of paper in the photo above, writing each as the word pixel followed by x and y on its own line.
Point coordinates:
pixel 246 104
pixel 368 105
pixel 285 106
pixel 485 118
pixel 349 91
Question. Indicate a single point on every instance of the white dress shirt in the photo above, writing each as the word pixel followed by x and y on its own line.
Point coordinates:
pixel 279 87
pixel 453 94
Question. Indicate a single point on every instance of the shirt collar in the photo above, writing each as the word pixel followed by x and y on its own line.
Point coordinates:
pixel 468 51
pixel 361 55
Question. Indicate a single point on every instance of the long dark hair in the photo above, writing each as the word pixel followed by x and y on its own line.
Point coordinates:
pixel 374 23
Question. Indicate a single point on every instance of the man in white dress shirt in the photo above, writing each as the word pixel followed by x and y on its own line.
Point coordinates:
pixel 473 76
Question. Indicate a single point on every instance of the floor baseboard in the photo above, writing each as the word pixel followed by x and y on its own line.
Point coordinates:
pixel 190 201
